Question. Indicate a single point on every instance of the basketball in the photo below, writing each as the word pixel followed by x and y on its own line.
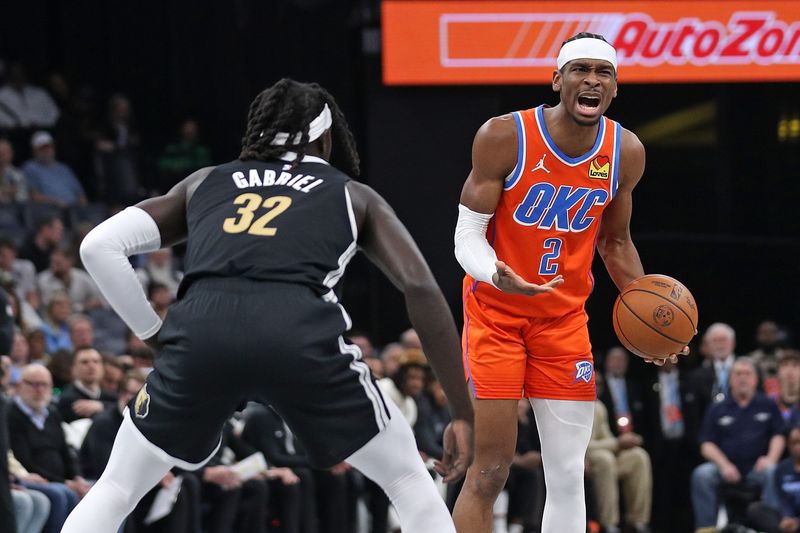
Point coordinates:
pixel 655 316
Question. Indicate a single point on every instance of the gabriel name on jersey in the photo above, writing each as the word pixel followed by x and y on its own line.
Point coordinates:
pixel 270 178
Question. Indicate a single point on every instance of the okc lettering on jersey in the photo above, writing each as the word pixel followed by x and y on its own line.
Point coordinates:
pixel 270 178
pixel 546 207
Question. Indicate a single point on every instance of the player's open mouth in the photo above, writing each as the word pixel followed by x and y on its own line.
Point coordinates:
pixel 588 103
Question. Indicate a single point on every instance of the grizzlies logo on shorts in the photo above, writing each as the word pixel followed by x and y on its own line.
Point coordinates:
pixel 142 406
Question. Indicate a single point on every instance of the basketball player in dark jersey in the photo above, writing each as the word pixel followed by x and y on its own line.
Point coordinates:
pixel 269 237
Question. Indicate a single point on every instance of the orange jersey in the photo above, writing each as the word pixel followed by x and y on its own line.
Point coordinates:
pixel 547 219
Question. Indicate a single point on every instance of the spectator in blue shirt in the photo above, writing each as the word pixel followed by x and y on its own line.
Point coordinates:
pixel 50 181
pixel 742 441
pixel 786 517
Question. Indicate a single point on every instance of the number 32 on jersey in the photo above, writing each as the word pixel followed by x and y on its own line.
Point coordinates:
pixel 250 203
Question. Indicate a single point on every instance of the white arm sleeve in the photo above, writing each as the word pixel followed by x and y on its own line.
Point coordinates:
pixel 105 252
pixel 473 251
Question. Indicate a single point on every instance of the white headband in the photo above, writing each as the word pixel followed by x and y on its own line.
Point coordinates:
pixel 587 48
pixel 317 127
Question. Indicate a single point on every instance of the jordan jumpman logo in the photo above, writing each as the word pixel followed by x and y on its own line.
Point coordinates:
pixel 540 165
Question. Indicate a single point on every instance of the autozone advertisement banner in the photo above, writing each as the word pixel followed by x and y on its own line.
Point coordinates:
pixel 474 42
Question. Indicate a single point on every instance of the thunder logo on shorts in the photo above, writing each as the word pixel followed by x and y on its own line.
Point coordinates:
pixel 583 371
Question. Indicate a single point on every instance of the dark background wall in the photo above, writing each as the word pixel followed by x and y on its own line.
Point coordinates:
pixel 720 215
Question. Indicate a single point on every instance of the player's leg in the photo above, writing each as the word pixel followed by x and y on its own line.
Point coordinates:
pixel 560 381
pixel 133 469
pixel 565 427
pixel 392 461
pixel 495 443
pixel 495 362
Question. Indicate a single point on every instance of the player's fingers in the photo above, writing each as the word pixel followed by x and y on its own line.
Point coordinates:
pixel 536 289
pixel 555 282
pixel 456 472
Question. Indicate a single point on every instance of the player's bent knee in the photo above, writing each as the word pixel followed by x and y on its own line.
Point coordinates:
pixel 488 481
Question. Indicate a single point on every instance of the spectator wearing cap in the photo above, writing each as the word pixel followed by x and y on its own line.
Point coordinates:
pixel 62 276
pixel 407 383
pixel 46 237
pixel 50 181
pixel 13 183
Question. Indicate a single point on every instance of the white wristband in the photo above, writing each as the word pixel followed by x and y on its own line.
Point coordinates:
pixel 473 251
pixel 105 251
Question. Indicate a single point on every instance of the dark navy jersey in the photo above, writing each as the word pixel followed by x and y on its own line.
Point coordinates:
pixel 270 221
pixel 742 433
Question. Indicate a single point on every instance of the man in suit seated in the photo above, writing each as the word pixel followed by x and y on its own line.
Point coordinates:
pixel 84 398
pixel 38 442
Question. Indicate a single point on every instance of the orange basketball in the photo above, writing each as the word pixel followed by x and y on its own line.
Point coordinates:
pixel 655 316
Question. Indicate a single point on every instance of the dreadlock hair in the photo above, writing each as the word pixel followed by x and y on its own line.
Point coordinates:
pixel 290 106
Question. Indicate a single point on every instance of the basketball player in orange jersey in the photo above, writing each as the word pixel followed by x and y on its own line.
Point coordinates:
pixel 547 186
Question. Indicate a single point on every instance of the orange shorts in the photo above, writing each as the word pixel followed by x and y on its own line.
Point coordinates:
pixel 513 357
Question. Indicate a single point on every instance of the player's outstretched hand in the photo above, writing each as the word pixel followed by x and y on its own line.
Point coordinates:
pixel 509 281
pixel 458 449
pixel 672 358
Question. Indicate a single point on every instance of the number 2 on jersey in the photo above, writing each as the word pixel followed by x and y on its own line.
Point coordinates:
pixel 252 201
pixel 548 265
